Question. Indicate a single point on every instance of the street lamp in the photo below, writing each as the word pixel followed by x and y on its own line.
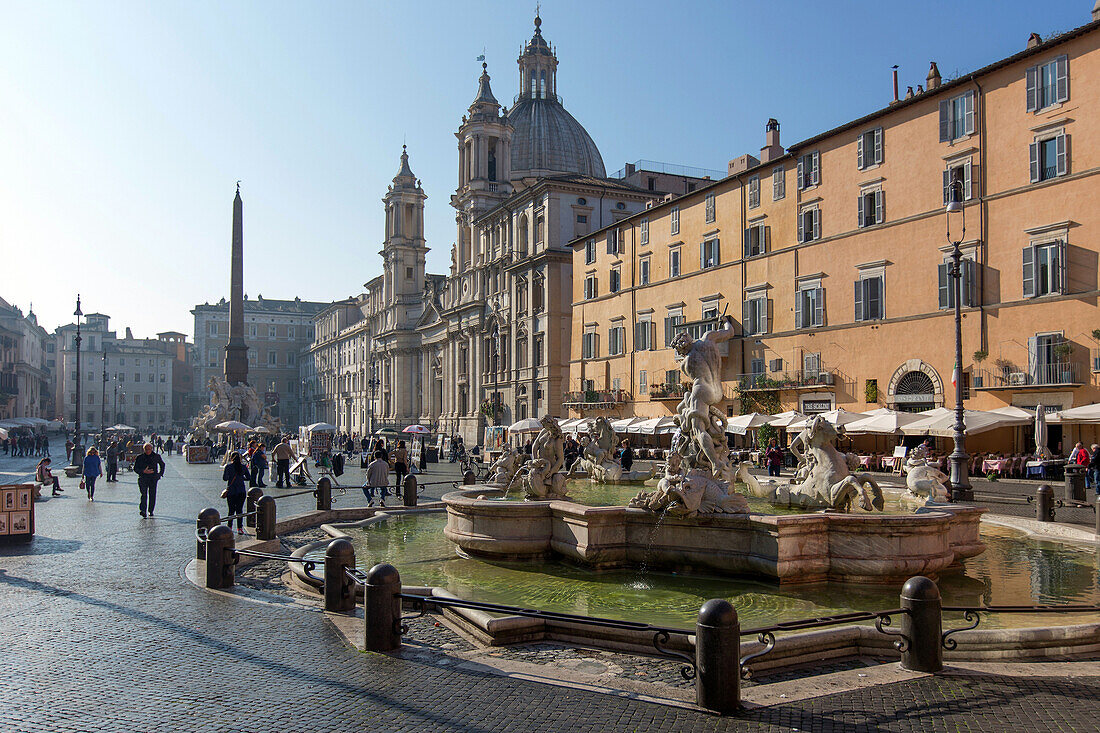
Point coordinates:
pixel 77 456
pixel 960 480
pixel 103 404
pixel 373 384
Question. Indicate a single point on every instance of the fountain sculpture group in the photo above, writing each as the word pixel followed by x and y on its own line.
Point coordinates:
pixel 233 402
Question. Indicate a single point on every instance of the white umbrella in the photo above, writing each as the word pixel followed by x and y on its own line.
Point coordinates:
pixel 784 419
pixel 231 426
pixel 975 421
pixel 120 428
pixel 884 423
pixel 666 426
pixel 1041 432
pixel 526 425
pixel 744 423
pixel 1086 414
pixel 3 434
pixel 620 426
pixel 260 429
pixel 417 430
pixel 321 427
pixel 1013 411
pixel 643 427
pixel 838 418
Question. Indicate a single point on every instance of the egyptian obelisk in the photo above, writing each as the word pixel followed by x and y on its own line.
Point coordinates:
pixel 236 351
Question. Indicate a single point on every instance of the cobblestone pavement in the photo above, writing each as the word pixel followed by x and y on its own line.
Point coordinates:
pixel 101 633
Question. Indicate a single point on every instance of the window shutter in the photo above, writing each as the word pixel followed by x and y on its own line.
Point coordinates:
pixel 880 203
pixel 816 167
pixel 943 278
pixel 1060 267
pixel 748 242
pixel 802 226
pixel 1029 272
pixel 819 308
pixel 766 315
pixel 945 121
pixel 801 173
pixel 1032 77
pixel 1034 150
pixel 859 152
pixel 798 297
pixel 859 300
pixel 1061 142
pixel 861 209
pixel 1061 66
pixel 970 283
pixel 1033 358
pixel 638 336
pixel 873 301
pixel 947 187
pixel 746 317
pixel 668 331
pixel 969 101
pixel 652 327
pixel 967 180
pixel 702 255
pixel 817 224
pixel 878 145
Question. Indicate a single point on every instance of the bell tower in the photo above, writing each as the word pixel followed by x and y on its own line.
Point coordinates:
pixel 404 248
pixel 538 67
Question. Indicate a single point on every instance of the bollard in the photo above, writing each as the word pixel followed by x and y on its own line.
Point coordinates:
pixel 718 657
pixel 339 590
pixel 251 498
pixel 921 625
pixel 382 609
pixel 208 519
pixel 409 490
pixel 324 495
pixel 219 557
pixel 1044 503
pixel 1097 513
pixel 265 518
pixel 469 478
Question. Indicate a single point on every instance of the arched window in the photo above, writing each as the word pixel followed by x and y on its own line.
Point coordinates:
pixel 915 392
pixel 542 83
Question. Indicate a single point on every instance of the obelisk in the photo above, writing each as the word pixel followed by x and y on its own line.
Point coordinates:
pixel 236 351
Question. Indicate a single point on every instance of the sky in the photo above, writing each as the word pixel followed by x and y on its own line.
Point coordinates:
pixel 125 126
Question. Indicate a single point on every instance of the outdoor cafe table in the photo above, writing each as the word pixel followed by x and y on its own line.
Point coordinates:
pixel 995 465
pixel 889 461
pixel 867 462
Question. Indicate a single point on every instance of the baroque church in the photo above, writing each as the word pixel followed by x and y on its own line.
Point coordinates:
pixel 489 343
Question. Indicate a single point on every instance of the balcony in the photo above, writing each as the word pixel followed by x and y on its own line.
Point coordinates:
pixel 793 381
pixel 668 391
pixel 596 399
pixel 1058 374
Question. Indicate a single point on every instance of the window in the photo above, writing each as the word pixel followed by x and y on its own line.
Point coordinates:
pixel 122 377
pixel 1044 269
pixel 590 287
pixel 538 351
pixel 643 271
pixel 616 280
pixel 590 251
pixel 674 262
pixel 674 226
pixel 121 361
pixel 710 309
pixel 582 218
pixel 708 254
pixel 757 366
pixel 617 383
pixel 869 298
pixel 809 224
pixel 590 345
pixel 754 319
pixel 152 400
pixel 1048 158
pixel 1048 84
pixel 958 181
pixel 290 332
pixel 252 357
pixel 811 363
pixel 271 332
pixel 290 358
pixel 212 357
pixel 957 117
pixel 645 232
pixel 779 183
pixel 809 306
pixel 756 240
pixel 869 149
pixel 809 170
pixel 645 335
pixel 651 183
pixel 870 208
pixel 252 330
pixel 613 242
pixel 163 378
pixel 272 358
pixel 643 381
pixel 137 376
pixel 754 192
pixel 163 400
pixel 947 284
pixel 408 276
pixel 616 337
pixel 672 320
pixel 710 207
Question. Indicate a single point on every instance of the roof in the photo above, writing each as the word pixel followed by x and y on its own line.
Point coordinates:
pixel 547 139
pixel 268 305
pixel 612 184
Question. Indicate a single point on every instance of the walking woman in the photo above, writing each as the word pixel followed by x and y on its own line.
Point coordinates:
pixel 400 464
pixel 93 469
pixel 235 475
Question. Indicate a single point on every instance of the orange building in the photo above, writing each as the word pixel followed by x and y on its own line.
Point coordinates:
pixel 831 254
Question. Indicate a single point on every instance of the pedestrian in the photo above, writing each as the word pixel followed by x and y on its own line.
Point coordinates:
pixel 378 477
pixel 91 469
pixel 234 476
pixel 626 455
pixel 400 464
pixel 112 462
pixel 773 457
pixel 1094 467
pixel 44 476
pixel 149 467
pixel 46 446
pixel 282 455
pixel 259 466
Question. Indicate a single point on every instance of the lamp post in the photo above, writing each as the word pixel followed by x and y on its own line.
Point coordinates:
pixel 103 405
pixel 114 409
pixel 373 384
pixel 960 479
pixel 77 455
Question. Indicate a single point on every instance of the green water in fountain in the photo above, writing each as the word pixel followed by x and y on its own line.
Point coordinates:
pixel 1013 570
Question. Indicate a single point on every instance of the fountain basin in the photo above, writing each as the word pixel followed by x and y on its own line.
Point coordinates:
pixel 792 548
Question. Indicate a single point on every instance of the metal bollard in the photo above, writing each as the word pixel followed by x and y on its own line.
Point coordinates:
pixel 324 495
pixel 382 609
pixel 219 557
pixel 252 497
pixel 339 591
pixel 922 625
pixel 718 657
pixel 1044 503
pixel 408 488
pixel 469 478
pixel 265 518
pixel 208 519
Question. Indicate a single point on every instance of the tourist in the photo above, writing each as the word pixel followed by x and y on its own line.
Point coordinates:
pixel 282 455
pixel 91 469
pixel 44 476
pixel 234 476
pixel 527 447
pixel 259 466
pixel 1094 467
pixel 68 448
pixel 380 447
pixel 149 467
pixel 378 477
pixel 112 462
pixel 400 463
pixel 773 457
pixel 46 445
pixel 168 445
pixel 626 455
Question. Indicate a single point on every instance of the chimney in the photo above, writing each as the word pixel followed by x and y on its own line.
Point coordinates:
pixel 934 79
pixel 895 67
pixel 909 92
pixel 920 89
pixel 129 333
pixel 741 164
pixel 1035 39
pixel 629 169
pixel 1096 10
pixel 772 148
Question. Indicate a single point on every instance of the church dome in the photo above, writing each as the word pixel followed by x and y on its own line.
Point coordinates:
pixel 547 140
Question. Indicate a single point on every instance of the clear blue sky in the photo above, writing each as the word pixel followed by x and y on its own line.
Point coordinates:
pixel 124 126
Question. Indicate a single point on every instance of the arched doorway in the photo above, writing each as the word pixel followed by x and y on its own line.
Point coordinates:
pixel 915 387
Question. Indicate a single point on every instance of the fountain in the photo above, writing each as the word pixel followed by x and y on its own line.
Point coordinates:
pixel 598 461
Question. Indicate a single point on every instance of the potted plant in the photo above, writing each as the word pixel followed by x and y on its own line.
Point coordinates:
pixel 979 356
pixel 1061 353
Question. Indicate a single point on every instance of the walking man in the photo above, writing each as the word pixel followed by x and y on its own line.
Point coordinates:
pixel 112 462
pixel 149 467
pixel 282 455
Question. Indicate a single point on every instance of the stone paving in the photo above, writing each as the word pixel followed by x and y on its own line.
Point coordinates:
pixel 102 633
